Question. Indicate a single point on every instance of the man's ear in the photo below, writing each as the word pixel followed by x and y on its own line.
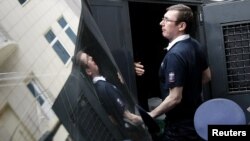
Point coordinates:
pixel 88 72
pixel 182 26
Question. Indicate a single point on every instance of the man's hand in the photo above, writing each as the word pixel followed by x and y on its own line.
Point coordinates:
pixel 132 118
pixel 139 68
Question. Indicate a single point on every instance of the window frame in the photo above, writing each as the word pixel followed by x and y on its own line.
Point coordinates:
pixel 66 27
pixel 53 43
pixel 43 94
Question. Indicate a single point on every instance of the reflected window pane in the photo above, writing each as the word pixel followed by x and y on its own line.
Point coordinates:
pixel 36 92
pixel 61 52
pixel 50 36
pixel 62 22
pixel 71 35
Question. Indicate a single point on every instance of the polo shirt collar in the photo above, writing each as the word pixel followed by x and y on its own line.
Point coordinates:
pixel 97 78
pixel 180 38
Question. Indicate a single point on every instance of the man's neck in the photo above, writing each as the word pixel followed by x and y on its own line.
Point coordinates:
pixel 177 39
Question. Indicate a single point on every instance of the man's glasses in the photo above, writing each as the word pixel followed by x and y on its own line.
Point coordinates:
pixel 165 19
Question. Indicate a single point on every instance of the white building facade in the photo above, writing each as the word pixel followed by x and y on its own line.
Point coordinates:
pixel 37 42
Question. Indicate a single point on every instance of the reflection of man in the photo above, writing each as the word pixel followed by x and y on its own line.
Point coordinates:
pixel 109 95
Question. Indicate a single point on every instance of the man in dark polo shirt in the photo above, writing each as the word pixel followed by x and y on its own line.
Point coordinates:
pixel 109 95
pixel 182 72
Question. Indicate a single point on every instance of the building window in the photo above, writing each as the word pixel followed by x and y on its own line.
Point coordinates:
pixel 41 96
pixel 22 1
pixel 57 46
pixel 63 23
pixel 36 91
pixel 61 52
pixel 50 36
pixel 71 35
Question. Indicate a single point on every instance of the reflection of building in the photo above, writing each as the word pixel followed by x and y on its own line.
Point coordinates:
pixel 37 41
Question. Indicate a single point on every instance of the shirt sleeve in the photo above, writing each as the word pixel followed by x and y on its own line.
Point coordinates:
pixel 175 71
pixel 115 98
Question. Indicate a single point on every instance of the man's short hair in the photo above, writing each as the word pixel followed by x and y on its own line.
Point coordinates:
pixel 185 15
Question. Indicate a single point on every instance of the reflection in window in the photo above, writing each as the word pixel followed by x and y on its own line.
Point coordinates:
pixel 63 23
pixel 57 46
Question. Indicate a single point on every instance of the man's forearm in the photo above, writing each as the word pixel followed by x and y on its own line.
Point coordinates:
pixel 174 98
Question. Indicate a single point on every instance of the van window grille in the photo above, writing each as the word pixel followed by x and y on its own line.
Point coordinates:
pixel 237 54
pixel 89 123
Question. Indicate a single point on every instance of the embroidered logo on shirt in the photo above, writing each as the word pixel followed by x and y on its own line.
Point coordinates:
pixel 171 77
